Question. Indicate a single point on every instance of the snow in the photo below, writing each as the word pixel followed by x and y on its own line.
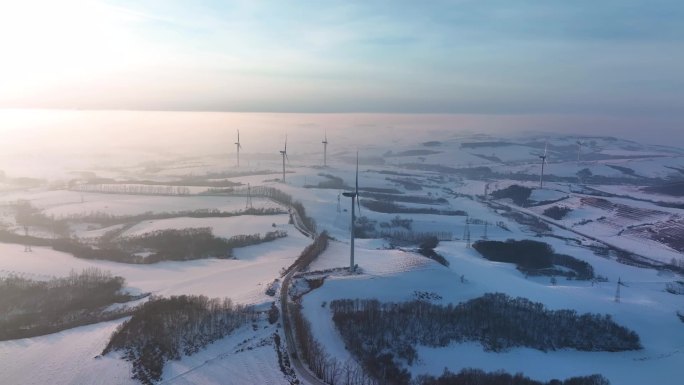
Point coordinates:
pixel 645 307
pixel 221 227
pixel 389 275
pixel 63 358
pixel 546 195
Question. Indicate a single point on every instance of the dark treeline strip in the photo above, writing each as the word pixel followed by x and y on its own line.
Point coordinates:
pixel 134 189
pixel 28 215
pixel 30 308
pixel 479 377
pixel 110 220
pixel 164 329
pixel 387 207
pixel 533 257
pixel 381 335
pixel 406 198
pixel 165 245
pixel 310 253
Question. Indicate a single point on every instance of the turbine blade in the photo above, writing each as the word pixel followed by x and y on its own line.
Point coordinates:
pixel 545 146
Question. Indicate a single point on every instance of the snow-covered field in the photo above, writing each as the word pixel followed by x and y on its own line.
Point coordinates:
pixel 68 203
pixel 248 356
pixel 221 227
pixel 645 307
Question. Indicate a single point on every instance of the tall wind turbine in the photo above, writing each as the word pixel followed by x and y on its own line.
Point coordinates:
pixel 325 149
pixel 354 201
pixel 284 154
pixel 543 161
pixel 238 147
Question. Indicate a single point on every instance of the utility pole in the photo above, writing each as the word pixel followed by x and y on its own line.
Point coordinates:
pixel 249 197
pixel 466 233
pixel 27 245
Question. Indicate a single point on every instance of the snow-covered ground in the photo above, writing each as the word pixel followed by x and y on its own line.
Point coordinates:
pixel 247 356
pixel 221 227
pixel 69 203
pixel 645 307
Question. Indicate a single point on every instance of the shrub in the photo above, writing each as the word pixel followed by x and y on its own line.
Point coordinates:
pixel 557 212
pixel 519 194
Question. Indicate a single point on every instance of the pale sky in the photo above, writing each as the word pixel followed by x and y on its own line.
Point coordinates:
pixel 618 58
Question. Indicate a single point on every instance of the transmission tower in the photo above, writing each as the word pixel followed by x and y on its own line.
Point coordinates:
pixel 27 245
pixel 466 233
pixel 484 236
pixel 249 197
pixel 338 203
pixel 617 291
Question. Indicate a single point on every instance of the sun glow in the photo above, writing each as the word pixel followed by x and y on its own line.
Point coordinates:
pixel 51 46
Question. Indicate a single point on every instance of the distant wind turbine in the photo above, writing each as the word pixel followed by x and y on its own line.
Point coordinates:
pixel 325 149
pixel 238 147
pixel 354 201
pixel 284 154
pixel 543 162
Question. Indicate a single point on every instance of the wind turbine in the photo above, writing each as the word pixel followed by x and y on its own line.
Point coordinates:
pixel 325 149
pixel 284 154
pixel 238 147
pixel 543 158
pixel 354 197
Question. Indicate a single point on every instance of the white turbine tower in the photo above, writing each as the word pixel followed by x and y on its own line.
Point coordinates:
pixel 325 150
pixel 284 154
pixel 543 162
pixel 238 146
pixel 354 201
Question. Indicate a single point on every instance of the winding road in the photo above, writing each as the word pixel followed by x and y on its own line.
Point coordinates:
pixel 303 372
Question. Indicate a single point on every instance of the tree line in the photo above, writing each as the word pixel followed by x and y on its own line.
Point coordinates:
pixel 165 245
pixel 30 308
pixel 534 257
pixel 388 207
pixel 165 329
pixel 384 335
pixel 479 377
pixel 106 219
pixel 280 197
pixel 310 253
pixel 322 364
pixel 28 215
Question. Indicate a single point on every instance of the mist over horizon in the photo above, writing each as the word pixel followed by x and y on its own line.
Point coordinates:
pixel 36 138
